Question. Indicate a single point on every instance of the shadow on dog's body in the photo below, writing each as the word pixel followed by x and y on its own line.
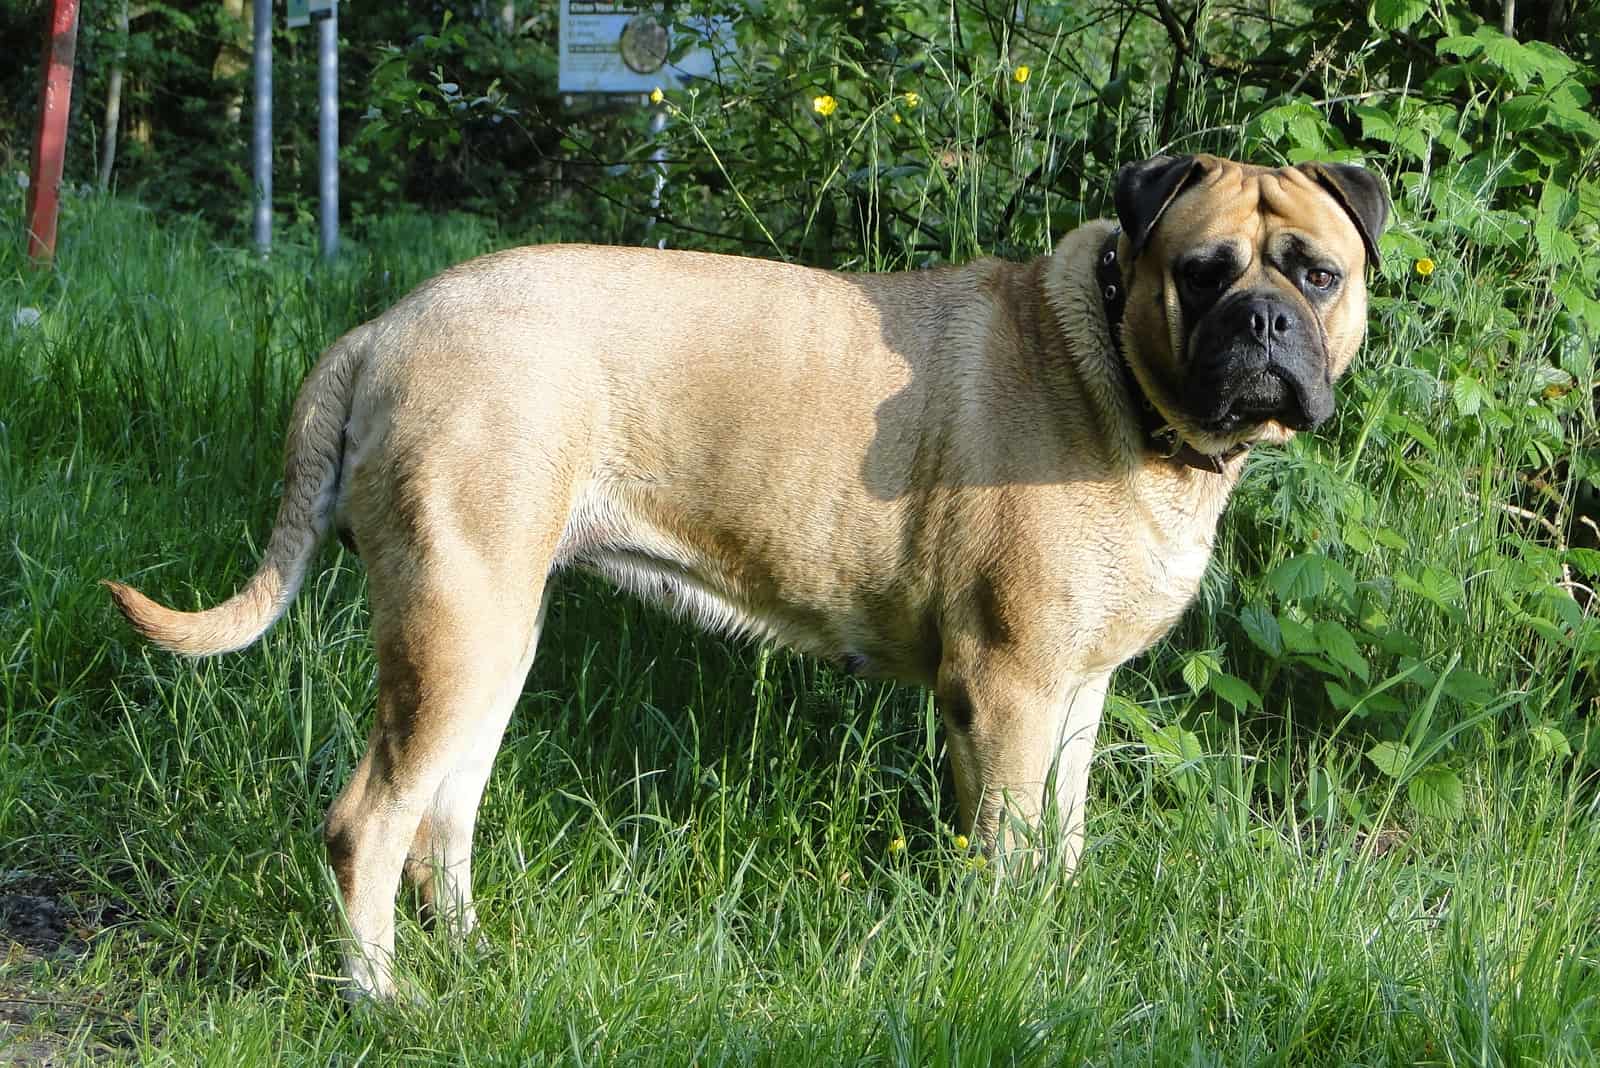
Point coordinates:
pixel 940 477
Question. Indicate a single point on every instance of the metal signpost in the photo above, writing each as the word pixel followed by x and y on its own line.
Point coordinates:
pixel 261 131
pixel 325 14
pixel 328 121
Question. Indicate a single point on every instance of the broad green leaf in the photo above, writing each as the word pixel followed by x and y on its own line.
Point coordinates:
pixel 1585 560
pixel 1469 395
pixel 1299 578
pixel 1342 698
pixel 1195 672
pixel 1391 539
pixel 1384 705
pixel 1398 14
pixel 1554 64
pixel 1519 63
pixel 1391 758
pixel 1372 617
pixel 1339 645
pixel 1570 110
pixel 1235 691
pixel 1176 750
pixel 1549 741
pixel 1439 588
pixel 1468 687
pixel 1437 792
pixel 1377 124
pixel 1523 113
pixel 1307 129
pixel 1297 637
pixel 1357 538
pixel 1557 206
pixel 1128 713
pixel 1465 47
pixel 1442 586
pixel 1407 425
pixel 1174 744
pixel 1261 627
pixel 1340 577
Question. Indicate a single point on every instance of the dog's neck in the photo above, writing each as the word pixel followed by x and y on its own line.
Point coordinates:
pixel 1159 436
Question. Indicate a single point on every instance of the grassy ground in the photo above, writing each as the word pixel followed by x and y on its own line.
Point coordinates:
pixel 690 849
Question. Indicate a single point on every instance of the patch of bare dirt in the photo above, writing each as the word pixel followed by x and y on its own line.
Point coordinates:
pixel 43 934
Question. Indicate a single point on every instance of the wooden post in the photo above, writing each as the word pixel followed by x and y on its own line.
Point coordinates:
pixel 49 148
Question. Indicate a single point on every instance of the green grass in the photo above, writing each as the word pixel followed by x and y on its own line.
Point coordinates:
pixel 685 852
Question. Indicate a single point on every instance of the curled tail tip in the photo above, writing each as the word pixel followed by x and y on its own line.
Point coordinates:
pixel 150 619
pixel 171 630
pixel 134 606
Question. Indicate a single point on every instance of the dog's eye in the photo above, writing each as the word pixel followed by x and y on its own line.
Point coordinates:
pixel 1317 278
pixel 1206 274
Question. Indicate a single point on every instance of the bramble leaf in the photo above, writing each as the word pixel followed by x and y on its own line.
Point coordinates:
pixel 1391 758
pixel 1437 792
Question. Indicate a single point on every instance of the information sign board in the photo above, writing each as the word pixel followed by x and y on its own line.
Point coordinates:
pixel 301 12
pixel 608 47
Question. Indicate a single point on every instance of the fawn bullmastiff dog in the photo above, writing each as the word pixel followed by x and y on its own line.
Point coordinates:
pixel 1000 481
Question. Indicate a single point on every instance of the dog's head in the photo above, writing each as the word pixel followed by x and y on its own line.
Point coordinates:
pixel 1246 290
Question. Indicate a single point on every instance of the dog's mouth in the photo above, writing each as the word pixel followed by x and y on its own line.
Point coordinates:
pixel 1271 393
pixel 1256 358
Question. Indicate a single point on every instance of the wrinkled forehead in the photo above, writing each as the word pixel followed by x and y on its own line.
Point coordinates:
pixel 1263 209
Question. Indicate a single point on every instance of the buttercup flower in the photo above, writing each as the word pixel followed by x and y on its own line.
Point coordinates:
pixel 824 105
pixel 1021 74
pixel 911 99
pixel 961 841
pixel 1425 266
pixel 656 95
pixel 897 846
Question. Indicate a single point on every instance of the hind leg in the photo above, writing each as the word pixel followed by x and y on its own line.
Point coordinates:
pixel 439 863
pixel 454 637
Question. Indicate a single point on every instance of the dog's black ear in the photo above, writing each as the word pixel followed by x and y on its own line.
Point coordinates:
pixel 1145 191
pixel 1361 194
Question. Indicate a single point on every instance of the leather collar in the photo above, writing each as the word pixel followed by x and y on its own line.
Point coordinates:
pixel 1160 438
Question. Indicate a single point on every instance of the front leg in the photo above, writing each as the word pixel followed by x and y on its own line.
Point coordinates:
pixel 1020 750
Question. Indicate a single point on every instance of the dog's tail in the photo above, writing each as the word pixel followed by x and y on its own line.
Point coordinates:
pixel 314 453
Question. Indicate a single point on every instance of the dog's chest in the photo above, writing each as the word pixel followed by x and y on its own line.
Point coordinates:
pixel 1136 598
pixel 1115 592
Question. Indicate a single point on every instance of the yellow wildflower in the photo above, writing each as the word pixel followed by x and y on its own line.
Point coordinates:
pixel 1425 266
pixel 896 118
pixel 1021 74
pixel 656 95
pixel 961 841
pixel 897 846
pixel 824 105
pixel 911 99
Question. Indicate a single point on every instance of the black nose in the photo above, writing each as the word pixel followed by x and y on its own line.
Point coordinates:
pixel 1269 321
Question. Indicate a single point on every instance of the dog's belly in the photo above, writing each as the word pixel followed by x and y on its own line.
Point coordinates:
pixel 767 587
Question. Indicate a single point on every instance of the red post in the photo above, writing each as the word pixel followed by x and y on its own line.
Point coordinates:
pixel 49 148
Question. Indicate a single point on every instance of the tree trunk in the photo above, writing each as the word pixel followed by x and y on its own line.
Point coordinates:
pixel 108 134
pixel 233 59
